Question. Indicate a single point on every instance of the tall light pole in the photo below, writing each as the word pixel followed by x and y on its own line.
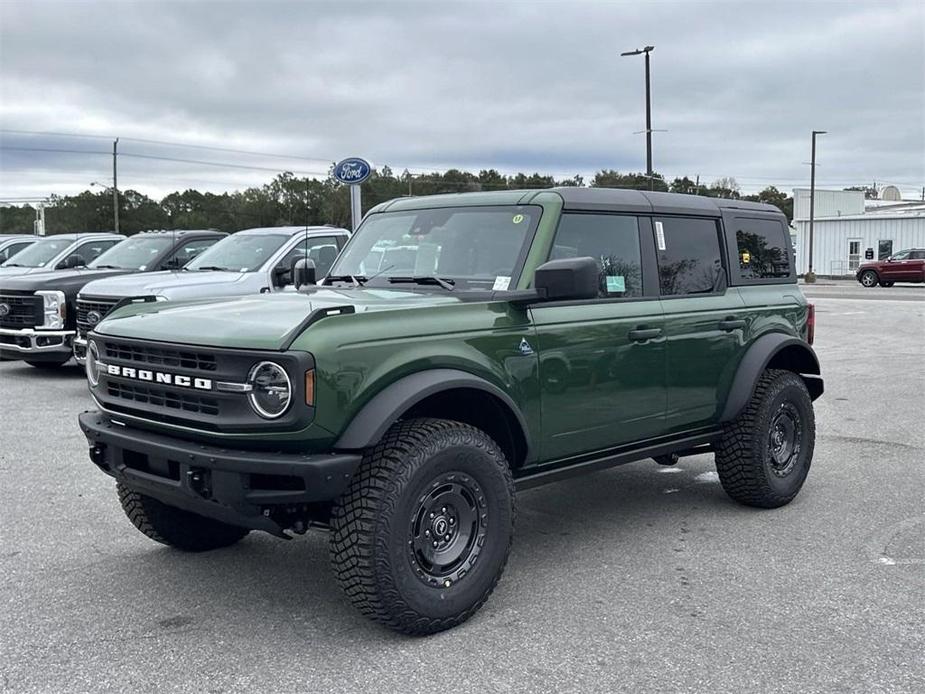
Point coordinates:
pixel 646 51
pixel 115 186
pixel 810 275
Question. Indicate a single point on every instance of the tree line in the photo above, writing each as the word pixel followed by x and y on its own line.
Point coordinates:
pixel 290 200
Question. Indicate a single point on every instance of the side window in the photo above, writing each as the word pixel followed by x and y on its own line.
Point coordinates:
pixel 917 255
pixel 321 249
pixel 763 248
pixel 689 259
pixel 12 250
pixel 187 252
pixel 613 240
pixel 90 251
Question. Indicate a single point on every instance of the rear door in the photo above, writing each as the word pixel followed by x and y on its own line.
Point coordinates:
pixel 602 361
pixel 704 320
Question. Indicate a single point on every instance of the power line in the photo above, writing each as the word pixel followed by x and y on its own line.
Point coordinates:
pixel 174 144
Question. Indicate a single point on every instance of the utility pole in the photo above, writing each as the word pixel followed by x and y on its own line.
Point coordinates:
pixel 810 275
pixel 646 51
pixel 115 185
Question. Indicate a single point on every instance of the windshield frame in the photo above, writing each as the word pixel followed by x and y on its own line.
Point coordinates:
pixel 381 276
pixel 94 264
pixel 52 261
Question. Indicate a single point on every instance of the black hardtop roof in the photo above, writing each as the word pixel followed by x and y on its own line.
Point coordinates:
pixel 650 201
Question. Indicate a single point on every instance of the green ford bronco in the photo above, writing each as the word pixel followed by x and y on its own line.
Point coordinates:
pixel 461 348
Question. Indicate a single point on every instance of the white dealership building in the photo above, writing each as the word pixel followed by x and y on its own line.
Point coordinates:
pixel 847 228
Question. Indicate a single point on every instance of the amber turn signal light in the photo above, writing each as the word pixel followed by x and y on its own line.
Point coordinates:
pixel 310 387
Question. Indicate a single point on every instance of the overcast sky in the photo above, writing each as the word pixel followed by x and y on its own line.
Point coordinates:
pixel 529 87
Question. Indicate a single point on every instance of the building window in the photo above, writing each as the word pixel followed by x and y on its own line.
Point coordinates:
pixel 884 249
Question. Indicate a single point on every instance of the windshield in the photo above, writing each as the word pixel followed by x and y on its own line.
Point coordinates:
pixel 239 253
pixel 133 254
pixel 39 253
pixel 471 247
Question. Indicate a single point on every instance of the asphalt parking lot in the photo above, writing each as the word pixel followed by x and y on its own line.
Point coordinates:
pixel 641 578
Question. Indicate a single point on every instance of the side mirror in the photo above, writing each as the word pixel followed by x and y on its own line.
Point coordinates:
pixel 303 272
pixel 568 278
pixel 73 260
pixel 177 262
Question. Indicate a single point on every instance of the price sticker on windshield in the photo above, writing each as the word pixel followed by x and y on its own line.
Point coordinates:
pixel 501 283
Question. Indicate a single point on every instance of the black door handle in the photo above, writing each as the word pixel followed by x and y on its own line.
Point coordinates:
pixel 643 334
pixel 731 323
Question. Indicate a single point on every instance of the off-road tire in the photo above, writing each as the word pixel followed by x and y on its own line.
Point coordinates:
pixel 372 525
pixel 743 455
pixel 869 279
pixel 175 527
pixel 48 365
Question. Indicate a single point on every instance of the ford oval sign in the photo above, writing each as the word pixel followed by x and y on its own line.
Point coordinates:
pixel 352 171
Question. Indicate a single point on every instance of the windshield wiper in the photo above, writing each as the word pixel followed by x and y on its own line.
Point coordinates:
pixel 355 280
pixel 13 265
pixel 424 279
pixel 215 267
pixel 107 267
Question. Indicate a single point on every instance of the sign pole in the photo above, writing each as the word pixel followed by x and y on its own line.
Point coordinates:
pixel 356 207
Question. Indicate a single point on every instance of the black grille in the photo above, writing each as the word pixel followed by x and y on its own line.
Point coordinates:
pixel 186 402
pixel 159 356
pixel 85 306
pixel 23 312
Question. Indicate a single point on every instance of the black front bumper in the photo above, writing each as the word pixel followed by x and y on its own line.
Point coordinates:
pixel 241 487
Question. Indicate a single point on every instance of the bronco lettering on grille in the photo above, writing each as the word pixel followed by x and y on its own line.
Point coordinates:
pixel 159 377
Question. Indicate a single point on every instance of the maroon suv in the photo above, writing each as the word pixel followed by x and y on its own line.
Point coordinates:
pixel 905 266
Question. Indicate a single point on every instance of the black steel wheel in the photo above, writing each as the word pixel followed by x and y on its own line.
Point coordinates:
pixel 869 278
pixel 765 454
pixel 421 537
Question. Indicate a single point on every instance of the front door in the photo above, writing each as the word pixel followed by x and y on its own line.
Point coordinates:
pixel 705 321
pixel 854 255
pixel 601 361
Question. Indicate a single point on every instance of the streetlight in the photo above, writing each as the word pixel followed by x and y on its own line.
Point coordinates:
pixel 810 275
pixel 646 51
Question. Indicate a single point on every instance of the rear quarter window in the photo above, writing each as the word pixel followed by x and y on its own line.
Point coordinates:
pixel 763 248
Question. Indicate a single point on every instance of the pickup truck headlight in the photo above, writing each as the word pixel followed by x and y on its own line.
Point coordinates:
pixel 271 389
pixel 54 307
pixel 92 364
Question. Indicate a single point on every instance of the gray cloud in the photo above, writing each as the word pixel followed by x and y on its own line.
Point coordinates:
pixel 532 86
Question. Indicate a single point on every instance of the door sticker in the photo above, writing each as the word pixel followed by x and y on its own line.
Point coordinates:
pixel 501 283
pixel 616 283
pixel 660 236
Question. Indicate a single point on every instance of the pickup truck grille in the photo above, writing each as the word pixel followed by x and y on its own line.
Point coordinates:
pixel 145 385
pixel 24 310
pixel 101 305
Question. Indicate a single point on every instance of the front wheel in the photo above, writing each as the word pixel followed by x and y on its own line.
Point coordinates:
pixel 764 455
pixel 421 537
pixel 869 278
pixel 48 365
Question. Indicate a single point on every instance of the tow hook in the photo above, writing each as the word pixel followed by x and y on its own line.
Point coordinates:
pixel 98 455
pixel 200 481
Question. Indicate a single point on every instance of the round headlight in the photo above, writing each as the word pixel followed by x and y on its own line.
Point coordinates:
pixel 271 391
pixel 92 363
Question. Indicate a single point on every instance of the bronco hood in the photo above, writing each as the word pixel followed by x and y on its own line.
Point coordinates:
pixel 261 321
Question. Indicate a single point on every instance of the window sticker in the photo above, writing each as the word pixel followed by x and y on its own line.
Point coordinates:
pixel 518 218
pixel 616 283
pixel 660 236
pixel 501 283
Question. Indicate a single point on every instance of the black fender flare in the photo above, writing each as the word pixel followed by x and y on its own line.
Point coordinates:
pixel 383 410
pixel 795 354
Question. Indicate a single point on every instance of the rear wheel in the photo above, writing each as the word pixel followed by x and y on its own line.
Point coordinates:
pixel 175 527
pixel 869 278
pixel 764 455
pixel 422 535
